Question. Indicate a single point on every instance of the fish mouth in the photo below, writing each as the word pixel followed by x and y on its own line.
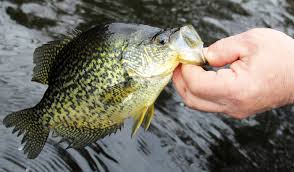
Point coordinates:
pixel 188 44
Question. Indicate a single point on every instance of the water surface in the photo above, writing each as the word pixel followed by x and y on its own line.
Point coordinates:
pixel 179 139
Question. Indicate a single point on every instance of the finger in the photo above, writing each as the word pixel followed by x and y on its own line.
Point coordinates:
pixel 239 67
pixel 200 103
pixel 226 50
pixel 179 82
pixel 209 85
pixel 190 99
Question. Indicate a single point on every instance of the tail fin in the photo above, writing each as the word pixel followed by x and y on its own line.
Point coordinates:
pixel 35 133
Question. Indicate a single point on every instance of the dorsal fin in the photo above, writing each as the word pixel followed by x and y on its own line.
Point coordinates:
pixel 45 55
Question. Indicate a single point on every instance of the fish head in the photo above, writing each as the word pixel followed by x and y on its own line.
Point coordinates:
pixel 158 52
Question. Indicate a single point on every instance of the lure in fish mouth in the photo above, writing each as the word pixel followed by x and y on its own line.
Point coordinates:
pixel 98 78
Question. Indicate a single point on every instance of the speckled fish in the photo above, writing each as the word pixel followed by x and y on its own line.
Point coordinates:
pixel 98 78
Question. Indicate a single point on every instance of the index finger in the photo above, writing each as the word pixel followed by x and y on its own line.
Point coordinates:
pixel 208 84
pixel 227 50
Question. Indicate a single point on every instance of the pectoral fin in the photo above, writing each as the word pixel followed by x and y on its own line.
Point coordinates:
pixel 148 117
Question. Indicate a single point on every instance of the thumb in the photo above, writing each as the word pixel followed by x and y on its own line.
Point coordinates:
pixel 226 50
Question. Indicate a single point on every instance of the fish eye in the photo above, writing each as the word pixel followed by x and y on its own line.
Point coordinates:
pixel 160 38
pixel 162 41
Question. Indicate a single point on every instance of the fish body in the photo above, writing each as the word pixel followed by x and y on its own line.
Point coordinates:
pixel 97 79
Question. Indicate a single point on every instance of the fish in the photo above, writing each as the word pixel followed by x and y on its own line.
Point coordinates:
pixel 99 78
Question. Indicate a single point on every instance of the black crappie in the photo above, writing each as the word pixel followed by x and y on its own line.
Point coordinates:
pixel 98 78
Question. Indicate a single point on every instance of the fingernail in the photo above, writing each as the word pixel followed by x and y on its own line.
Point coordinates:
pixel 208 54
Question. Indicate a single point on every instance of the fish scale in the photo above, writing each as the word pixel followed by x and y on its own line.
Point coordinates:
pixel 96 80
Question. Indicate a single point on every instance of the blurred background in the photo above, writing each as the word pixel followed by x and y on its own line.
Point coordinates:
pixel 179 139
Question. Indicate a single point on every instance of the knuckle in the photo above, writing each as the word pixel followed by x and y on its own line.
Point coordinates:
pixel 236 114
pixel 235 94
pixel 258 31
pixel 250 35
pixel 218 45
pixel 194 88
pixel 240 115
pixel 244 92
pixel 249 41
pixel 185 97
pixel 191 87
pixel 254 30
pixel 222 109
pixel 243 98
pixel 188 102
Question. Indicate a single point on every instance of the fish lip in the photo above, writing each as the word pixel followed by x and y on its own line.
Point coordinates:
pixel 187 54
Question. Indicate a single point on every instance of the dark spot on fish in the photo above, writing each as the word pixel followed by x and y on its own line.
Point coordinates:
pixel 104 75
pixel 109 80
pixel 51 114
pixel 73 106
pixel 58 110
pixel 68 116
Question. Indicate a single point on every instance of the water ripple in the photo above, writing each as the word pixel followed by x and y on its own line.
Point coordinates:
pixel 179 139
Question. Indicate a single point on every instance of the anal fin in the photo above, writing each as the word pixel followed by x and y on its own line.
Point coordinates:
pixel 80 137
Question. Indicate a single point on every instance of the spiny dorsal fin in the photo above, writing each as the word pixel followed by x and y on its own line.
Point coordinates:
pixel 45 56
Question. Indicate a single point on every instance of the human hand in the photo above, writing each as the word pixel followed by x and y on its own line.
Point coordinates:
pixel 260 77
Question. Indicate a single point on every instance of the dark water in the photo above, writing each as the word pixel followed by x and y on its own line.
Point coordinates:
pixel 180 139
